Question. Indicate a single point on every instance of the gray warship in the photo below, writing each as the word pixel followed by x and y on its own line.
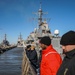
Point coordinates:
pixel 4 42
pixel 44 30
pixel 33 39
pixel 20 41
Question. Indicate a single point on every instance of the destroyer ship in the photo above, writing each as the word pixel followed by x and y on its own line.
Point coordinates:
pixel 43 30
pixel 20 42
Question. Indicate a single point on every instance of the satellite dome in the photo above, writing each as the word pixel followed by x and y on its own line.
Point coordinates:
pixel 35 29
pixel 56 32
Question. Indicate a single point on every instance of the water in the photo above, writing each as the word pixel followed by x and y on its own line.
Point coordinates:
pixel 11 61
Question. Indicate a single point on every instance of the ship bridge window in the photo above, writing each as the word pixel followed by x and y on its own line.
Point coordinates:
pixel 5 42
pixel 43 31
pixel 48 32
pixel 18 41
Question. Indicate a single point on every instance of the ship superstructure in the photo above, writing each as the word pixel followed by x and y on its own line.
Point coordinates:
pixel 5 42
pixel 44 30
pixel 41 30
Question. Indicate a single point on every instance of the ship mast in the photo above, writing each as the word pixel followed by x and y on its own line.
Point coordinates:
pixel 43 28
pixel 20 37
pixel 40 13
pixel 5 37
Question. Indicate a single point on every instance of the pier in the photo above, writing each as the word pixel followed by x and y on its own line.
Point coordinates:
pixel 11 61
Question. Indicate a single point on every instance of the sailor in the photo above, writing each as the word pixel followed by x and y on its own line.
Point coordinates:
pixel 50 60
pixel 68 45
pixel 32 55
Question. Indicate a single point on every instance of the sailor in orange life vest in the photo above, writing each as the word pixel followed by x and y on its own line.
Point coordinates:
pixel 51 59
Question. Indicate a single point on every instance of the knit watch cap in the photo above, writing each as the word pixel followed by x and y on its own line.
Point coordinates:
pixel 28 46
pixel 68 38
pixel 45 40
